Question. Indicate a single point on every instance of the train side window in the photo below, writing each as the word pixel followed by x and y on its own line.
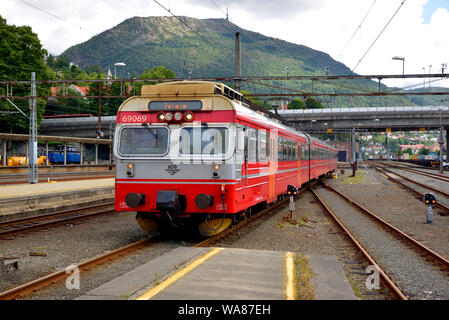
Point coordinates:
pixel 295 150
pixel 288 150
pixel 262 148
pixel 252 147
pixel 280 155
pixel 268 145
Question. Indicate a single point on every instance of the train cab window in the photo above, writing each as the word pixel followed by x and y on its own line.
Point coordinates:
pixel 143 141
pixel 252 148
pixel 205 141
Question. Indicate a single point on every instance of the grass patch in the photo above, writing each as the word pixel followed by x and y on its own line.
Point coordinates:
pixel 359 177
pixel 303 279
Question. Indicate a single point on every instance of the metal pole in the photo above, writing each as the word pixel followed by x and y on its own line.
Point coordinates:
pixel 46 153
pixel 238 61
pixel 447 144
pixel 441 149
pixel 81 153
pixel 96 153
pixel 33 126
pixel 65 153
pixel 5 162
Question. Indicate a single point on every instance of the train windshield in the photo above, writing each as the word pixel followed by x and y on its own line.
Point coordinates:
pixel 144 141
pixel 204 140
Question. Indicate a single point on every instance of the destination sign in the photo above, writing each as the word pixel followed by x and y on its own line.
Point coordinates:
pixel 175 105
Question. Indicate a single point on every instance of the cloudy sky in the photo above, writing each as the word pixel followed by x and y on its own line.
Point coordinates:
pixel 418 32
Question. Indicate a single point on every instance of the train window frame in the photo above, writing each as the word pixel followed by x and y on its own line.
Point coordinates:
pixel 142 155
pixel 263 154
pixel 253 142
pixel 280 148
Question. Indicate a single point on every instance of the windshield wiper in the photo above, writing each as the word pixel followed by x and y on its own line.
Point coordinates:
pixel 145 125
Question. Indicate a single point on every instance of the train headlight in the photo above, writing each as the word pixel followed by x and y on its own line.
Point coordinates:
pixel 161 116
pixel 130 169
pixel 178 116
pixel 169 116
pixel 215 170
pixel 188 116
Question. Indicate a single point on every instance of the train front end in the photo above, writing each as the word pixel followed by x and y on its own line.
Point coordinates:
pixel 176 157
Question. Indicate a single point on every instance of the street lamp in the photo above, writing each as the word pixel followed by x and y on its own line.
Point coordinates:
pixel 430 66
pixel 424 71
pixel 118 64
pixel 403 61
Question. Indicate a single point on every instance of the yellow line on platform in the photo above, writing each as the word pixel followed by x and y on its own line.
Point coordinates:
pixel 178 275
pixel 290 290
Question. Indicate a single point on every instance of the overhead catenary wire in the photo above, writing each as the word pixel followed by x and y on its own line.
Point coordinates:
pixel 184 23
pixel 378 36
pixel 218 7
pixel 357 29
pixel 54 16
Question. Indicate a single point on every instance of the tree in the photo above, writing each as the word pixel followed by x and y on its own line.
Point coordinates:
pixel 312 103
pixel 424 151
pixel 21 53
pixel 409 151
pixel 159 72
pixel 296 104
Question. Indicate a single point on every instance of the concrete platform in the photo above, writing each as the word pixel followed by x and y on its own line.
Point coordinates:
pixel 29 199
pixel 230 274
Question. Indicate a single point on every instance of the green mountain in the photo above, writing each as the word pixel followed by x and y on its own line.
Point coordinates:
pixel 144 43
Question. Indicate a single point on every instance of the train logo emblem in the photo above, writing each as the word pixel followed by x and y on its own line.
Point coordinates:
pixel 172 169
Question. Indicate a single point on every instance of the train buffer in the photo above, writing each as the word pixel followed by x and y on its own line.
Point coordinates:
pixel 187 273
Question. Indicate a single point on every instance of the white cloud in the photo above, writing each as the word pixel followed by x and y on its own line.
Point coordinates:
pixel 324 25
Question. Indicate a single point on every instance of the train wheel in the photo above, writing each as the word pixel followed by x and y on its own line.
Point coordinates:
pixel 213 226
pixel 147 224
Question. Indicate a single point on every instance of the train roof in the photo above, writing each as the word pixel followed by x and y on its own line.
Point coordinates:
pixel 212 92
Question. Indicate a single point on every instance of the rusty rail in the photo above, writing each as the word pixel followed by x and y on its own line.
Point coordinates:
pixel 383 275
pixel 21 291
pixel 22 224
pixel 439 204
pixel 398 232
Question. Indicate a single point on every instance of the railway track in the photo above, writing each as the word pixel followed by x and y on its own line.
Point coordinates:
pixel 27 288
pixel 411 255
pixel 22 225
pixel 10 179
pixel 419 188
pixel 437 176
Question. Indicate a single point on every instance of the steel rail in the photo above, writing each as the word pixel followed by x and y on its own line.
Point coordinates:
pixel 254 217
pixel 384 223
pixel 22 290
pixel 18 228
pixel 56 178
pixel 439 204
pixel 383 275
pixel 427 174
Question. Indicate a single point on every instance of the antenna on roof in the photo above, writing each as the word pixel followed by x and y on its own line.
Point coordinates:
pixel 227 15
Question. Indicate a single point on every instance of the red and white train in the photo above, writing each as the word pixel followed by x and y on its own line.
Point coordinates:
pixel 192 151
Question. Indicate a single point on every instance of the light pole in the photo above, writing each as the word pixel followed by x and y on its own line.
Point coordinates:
pixel 430 66
pixel 118 64
pixel 424 71
pixel 403 61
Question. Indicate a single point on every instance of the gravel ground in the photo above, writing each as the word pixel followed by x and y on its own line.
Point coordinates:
pixel 399 207
pixel 72 244
pixel 410 271
pixel 325 237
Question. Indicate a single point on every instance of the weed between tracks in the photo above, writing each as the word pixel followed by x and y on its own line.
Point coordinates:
pixel 303 279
